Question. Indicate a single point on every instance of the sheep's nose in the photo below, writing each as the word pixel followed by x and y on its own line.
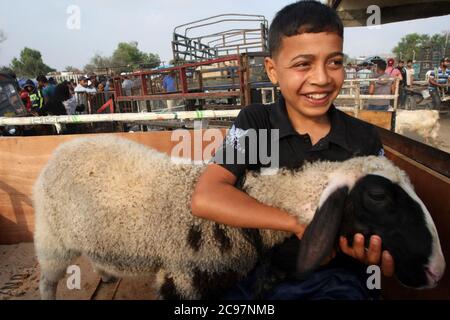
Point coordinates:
pixel 433 278
pixel 434 273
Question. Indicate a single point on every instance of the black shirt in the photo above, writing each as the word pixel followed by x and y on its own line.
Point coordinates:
pixel 348 138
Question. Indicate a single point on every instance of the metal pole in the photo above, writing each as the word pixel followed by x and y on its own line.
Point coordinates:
pixel 124 117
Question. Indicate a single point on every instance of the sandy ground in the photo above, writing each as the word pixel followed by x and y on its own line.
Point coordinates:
pixel 19 280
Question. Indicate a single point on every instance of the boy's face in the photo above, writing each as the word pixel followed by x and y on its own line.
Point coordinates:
pixel 309 70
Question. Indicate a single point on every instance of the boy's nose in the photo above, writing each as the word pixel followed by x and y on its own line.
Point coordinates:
pixel 320 76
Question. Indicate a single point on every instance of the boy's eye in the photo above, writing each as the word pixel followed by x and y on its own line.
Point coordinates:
pixel 336 63
pixel 301 65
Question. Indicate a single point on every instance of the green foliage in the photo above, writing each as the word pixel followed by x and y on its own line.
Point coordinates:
pixel 126 58
pixel 414 42
pixel 30 64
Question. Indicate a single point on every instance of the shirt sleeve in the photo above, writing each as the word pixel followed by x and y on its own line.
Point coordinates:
pixel 376 146
pixel 232 154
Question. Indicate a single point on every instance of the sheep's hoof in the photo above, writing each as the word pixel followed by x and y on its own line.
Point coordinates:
pixel 108 279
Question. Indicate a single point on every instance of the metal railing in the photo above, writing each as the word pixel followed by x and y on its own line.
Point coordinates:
pixel 189 48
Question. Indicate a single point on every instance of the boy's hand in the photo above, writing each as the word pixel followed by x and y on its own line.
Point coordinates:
pixel 370 256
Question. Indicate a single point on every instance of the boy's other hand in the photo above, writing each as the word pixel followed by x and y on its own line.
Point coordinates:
pixel 372 255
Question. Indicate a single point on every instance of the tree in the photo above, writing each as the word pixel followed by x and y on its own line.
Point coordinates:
pixel 414 42
pixel 128 57
pixel 409 44
pixel 30 64
pixel 97 62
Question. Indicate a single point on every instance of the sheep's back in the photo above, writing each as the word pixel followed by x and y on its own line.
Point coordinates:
pixel 109 188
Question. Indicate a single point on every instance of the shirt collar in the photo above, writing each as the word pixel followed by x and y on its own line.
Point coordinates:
pixel 280 120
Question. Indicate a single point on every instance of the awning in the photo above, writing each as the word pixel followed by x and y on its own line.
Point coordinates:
pixel 354 12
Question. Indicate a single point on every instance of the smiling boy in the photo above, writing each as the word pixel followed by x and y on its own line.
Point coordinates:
pixel 306 62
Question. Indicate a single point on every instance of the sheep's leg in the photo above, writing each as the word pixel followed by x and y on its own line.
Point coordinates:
pixel 106 276
pixel 175 285
pixel 53 269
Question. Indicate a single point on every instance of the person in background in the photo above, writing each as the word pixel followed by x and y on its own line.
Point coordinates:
pixel 101 87
pixel 25 91
pixel 350 72
pixel 169 85
pixel 402 83
pixel 439 78
pixel 93 80
pixel 409 73
pixel 47 89
pixel 364 73
pixel 71 103
pixel 81 92
pixel 382 86
pixel 55 106
pixel 83 86
pixel 127 84
pixel 391 70
pixel 36 96
pixel 109 85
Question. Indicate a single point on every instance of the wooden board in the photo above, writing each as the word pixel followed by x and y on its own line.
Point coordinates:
pixel 379 118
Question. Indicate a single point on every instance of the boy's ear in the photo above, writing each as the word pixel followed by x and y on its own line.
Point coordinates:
pixel 270 69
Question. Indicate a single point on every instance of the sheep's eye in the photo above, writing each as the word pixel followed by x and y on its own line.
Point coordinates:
pixel 377 195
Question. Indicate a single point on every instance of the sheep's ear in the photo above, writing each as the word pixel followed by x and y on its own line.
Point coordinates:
pixel 320 235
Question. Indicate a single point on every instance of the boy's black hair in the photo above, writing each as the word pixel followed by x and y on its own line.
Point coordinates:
pixel 307 16
pixel 409 61
pixel 381 65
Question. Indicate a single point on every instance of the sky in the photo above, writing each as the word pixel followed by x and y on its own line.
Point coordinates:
pixel 105 23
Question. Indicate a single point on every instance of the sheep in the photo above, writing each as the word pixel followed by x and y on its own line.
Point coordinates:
pixel 423 122
pixel 127 208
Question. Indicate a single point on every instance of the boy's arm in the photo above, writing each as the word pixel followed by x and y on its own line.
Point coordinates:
pixel 371 88
pixel 216 198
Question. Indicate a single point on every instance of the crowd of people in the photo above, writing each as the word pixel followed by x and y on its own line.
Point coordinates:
pixel 384 73
pixel 47 97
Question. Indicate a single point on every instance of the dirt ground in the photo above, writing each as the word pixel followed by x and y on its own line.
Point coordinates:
pixel 19 280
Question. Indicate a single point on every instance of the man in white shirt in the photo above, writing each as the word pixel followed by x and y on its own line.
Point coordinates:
pixel 83 86
pixel 409 73
pixel 365 73
pixel 350 72
pixel 81 92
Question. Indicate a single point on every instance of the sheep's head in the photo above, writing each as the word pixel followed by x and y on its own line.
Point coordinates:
pixel 376 205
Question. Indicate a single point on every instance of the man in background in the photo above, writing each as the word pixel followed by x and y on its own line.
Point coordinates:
pixel 365 73
pixel 169 86
pixel 382 86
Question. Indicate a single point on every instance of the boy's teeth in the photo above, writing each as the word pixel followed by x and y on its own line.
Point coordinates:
pixel 317 96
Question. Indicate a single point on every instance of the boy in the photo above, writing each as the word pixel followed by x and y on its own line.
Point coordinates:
pixel 306 61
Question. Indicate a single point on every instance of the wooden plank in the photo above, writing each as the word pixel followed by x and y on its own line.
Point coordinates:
pixel 433 188
pixel 379 118
pixel 433 158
